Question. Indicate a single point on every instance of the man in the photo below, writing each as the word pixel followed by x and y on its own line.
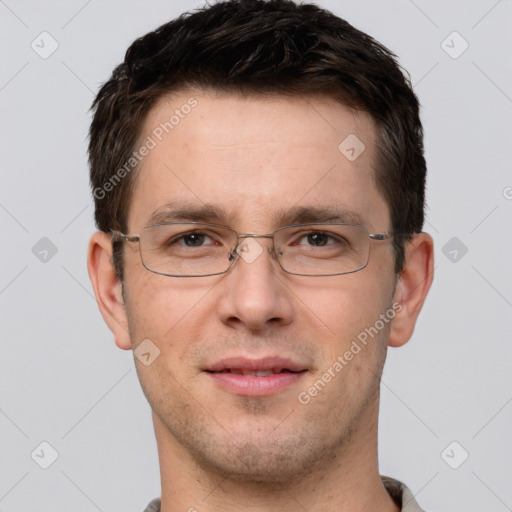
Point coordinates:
pixel 258 175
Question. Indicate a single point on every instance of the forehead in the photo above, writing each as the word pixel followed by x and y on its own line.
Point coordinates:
pixel 256 157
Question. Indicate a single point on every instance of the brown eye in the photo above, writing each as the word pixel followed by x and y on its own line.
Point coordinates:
pixel 319 239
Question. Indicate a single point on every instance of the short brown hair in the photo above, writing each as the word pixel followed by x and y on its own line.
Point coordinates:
pixel 260 47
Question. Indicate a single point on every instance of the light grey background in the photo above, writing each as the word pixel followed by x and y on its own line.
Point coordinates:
pixel 63 380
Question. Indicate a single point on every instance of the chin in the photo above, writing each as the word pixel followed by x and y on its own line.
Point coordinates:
pixel 257 467
pixel 267 461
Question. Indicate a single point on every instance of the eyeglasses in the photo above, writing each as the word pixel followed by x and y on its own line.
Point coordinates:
pixel 196 250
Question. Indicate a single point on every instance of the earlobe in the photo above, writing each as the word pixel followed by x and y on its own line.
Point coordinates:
pixel 412 287
pixel 107 288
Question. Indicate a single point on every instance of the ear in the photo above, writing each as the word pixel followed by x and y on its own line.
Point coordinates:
pixel 107 288
pixel 412 287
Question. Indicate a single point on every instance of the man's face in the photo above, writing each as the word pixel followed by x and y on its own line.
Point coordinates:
pixel 257 159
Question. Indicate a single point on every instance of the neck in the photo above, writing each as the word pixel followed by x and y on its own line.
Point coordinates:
pixel 348 480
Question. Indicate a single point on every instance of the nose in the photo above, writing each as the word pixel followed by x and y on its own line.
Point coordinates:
pixel 254 295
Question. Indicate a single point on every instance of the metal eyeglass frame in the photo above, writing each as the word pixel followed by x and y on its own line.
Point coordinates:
pixel 117 236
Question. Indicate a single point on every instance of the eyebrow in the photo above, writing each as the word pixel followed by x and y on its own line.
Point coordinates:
pixel 312 214
pixel 179 211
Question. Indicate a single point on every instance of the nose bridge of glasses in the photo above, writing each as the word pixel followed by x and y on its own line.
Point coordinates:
pixel 251 235
pixel 244 236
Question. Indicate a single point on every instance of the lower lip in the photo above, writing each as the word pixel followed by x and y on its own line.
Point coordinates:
pixel 252 385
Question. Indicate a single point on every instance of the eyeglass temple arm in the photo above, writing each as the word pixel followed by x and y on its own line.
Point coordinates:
pixel 381 236
pixel 117 236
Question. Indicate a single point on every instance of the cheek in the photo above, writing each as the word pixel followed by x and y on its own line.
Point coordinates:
pixel 169 312
pixel 355 350
pixel 354 346
pixel 161 301
pixel 346 304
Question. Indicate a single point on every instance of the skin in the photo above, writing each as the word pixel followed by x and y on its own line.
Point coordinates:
pixel 255 156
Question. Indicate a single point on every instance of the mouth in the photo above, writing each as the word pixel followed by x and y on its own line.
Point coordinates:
pixel 256 373
pixel 255 377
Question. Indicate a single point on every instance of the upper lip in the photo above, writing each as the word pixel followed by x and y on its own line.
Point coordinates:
pixel 274 363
